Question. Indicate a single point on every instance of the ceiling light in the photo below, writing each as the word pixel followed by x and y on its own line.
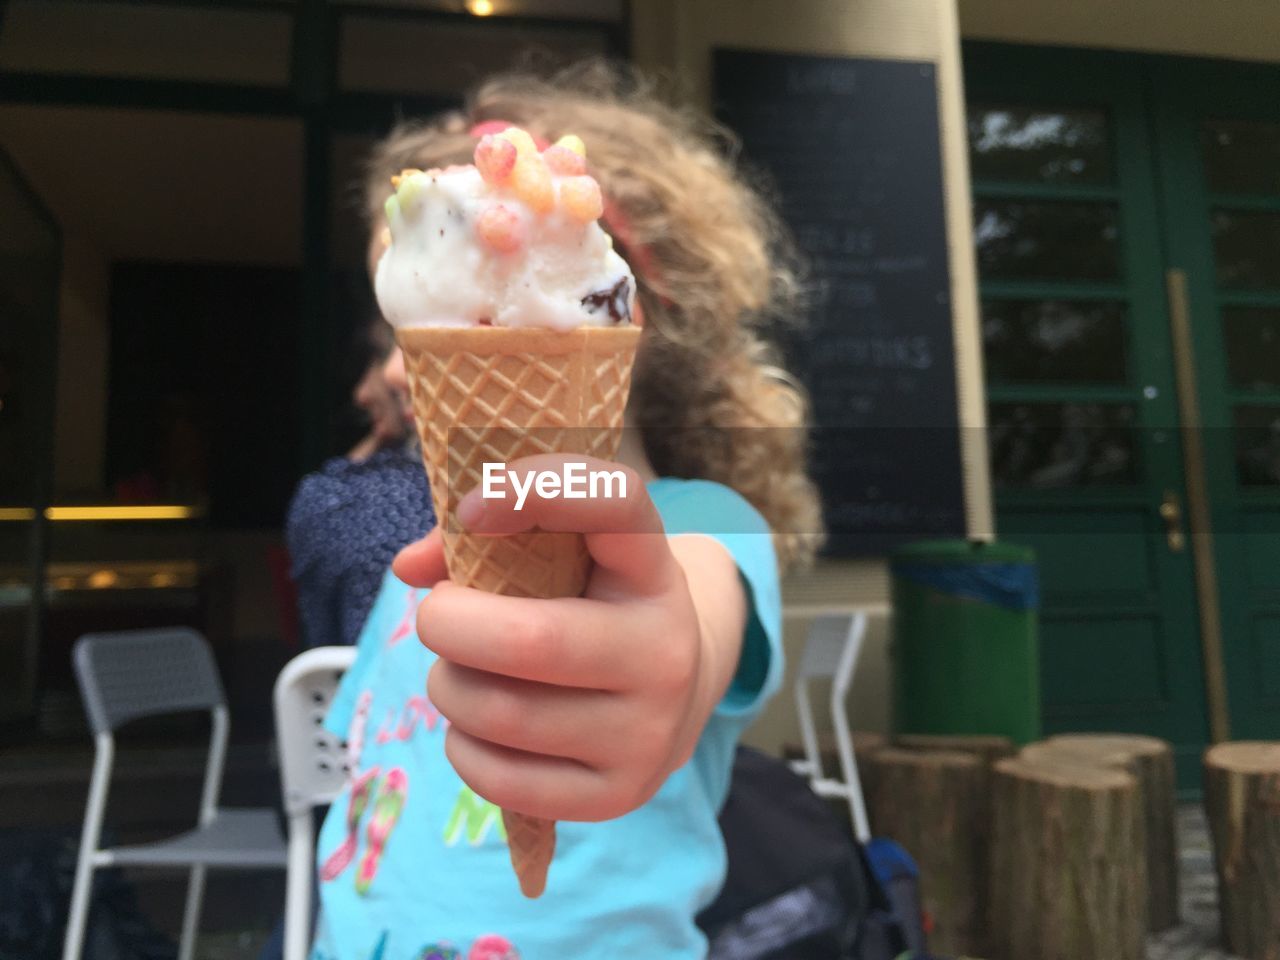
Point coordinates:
pixel 480 8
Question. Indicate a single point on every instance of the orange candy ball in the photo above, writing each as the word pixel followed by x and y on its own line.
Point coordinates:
pixel 581 198
pixel 495 158
pixel 531 181
pixel 500 229
pixel 564 162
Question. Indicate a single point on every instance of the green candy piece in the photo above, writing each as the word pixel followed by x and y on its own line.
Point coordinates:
pixel 410 192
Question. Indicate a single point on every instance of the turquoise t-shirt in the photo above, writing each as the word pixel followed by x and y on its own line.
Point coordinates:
pixel 413 865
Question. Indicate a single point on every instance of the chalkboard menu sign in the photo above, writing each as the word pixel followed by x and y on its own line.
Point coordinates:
pixel 852 147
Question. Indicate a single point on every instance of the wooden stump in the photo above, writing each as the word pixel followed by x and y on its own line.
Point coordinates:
pixel 1150 761
pixel 1242 798
pixel 988 748
pixel 866 744
pixel 1068 875
pixel 934 803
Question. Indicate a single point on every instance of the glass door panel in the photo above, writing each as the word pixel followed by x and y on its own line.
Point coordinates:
pixel 30 252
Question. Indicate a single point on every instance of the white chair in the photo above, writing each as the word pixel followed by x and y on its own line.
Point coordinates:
pixel 145 673
pixel 831 652
pixel 314 767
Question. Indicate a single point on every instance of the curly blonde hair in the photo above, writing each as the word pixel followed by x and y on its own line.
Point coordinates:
pixel 709 394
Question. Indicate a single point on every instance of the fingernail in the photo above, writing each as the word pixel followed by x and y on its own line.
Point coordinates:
pixel 471 510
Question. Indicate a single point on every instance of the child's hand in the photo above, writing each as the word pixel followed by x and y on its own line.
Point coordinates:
pixel 578 709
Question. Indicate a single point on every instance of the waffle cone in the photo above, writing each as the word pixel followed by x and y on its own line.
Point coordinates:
pixel 496 394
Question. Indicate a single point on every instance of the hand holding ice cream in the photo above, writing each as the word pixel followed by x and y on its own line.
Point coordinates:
pixel 514 315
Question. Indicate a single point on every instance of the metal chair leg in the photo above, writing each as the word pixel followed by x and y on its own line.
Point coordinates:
pixel 191 915
pixel 90 834
pixel 79 913
pixel 298 883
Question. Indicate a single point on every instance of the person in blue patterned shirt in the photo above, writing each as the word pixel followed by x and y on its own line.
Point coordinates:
pixel 349 518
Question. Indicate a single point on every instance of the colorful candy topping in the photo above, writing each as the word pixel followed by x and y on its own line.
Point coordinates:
pixel 521 138
pixel 511 165
pixel 581 198
pixel 495 158
pixel 564 162
pixel 500 228
pixel 573 142
pixel 556 176
pixel 531 182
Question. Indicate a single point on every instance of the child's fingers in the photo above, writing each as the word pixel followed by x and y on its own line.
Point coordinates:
pixel 569 642
pixel 624 530
pixel 523 715
pixel 551 787
pixel 421 564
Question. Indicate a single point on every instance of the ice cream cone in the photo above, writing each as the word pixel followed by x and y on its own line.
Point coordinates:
pixel 496 394
pixel 531 841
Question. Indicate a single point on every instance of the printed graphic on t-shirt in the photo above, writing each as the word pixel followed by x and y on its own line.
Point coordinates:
pixel 474 818
pixel 401 725
pixel 414 861
pixel 388 804
pixel 407 627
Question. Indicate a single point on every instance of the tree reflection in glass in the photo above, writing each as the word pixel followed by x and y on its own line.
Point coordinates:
pixel 1043 146
pixel 1257 430
pixel 1046 240
pixel 1054 341
pixel 1045 446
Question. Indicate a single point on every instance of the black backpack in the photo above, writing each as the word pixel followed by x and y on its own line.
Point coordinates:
pixel 798 887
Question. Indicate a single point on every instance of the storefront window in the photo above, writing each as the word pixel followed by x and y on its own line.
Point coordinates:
pixel 1044 446
pixel 1241 156
pixel 1046 240
pixel 1064 341
pixel 1039 145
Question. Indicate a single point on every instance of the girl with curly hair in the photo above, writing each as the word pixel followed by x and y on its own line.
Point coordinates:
pixel 616 713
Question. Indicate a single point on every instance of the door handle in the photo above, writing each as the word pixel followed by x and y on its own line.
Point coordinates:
pixel 1171 514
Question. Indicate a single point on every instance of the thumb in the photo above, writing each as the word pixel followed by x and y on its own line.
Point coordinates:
pixel 421 564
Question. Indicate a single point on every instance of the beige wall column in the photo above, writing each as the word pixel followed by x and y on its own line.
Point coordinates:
pixel 1238 30
pixel 677 36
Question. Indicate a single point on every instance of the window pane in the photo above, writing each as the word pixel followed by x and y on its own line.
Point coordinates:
pixel 1257 430
pixel 1054 340
pixel 1246 248
pixel 147 40
pixel 171 185
pixel 1242 156
pixel 1046 240
pixel 193 416
pixel 393 55
pixel 1253 347
pixel 1046 446
pixel 1044 146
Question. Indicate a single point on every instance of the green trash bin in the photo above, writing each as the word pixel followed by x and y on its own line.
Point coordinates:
pixel 964 652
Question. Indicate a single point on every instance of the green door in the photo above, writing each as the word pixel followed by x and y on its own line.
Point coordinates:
pixel 1127 224
pixel 1218 128
pixel 1086 450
